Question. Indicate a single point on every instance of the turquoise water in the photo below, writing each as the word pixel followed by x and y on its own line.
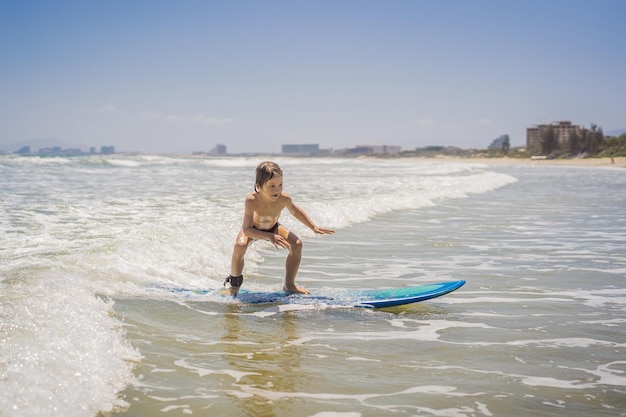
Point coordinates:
pixel 538 329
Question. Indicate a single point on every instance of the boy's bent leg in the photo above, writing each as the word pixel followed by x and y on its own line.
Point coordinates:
pixel 292 264
pixel 237 262
pixel 239 250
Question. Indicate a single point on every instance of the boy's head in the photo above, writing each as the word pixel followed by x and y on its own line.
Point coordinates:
pixel 265 172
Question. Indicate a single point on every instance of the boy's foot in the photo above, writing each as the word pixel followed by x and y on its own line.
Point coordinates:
pixel 232 291
pixel 295 290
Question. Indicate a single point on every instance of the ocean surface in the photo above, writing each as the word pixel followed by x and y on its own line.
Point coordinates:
pixel 90 248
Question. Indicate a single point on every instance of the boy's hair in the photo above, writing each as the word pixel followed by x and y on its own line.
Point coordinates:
pixel 265 172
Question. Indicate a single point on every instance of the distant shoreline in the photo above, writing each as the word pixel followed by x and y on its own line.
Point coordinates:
pixel 607 162
pixel 616 162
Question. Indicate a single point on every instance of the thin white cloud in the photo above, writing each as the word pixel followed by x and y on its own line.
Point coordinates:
pixel 149 115
pixel 424 122
pixel 107 108
pixel 198 118
pixel 483 121
pixel 211 121
pixel 182 118
pixel 175 118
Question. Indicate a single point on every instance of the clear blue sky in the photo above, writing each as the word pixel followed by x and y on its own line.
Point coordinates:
pixel 183 76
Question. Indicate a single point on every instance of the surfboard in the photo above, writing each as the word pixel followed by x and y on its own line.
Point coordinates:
pixel 391 297
pixel 368 298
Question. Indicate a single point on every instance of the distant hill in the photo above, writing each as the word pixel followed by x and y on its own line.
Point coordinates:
pixel 616 132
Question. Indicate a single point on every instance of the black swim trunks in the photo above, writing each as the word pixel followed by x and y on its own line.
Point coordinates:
pixel 273 229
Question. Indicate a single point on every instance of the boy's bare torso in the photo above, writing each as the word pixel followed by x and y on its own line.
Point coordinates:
pixel 266 213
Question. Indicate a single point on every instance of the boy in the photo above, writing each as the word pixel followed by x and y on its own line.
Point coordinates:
pixel 260 221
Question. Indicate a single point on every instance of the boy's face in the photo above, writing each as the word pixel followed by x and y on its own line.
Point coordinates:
pixel 273 188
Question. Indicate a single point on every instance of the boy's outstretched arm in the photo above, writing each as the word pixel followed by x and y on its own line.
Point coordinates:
pixel 304 218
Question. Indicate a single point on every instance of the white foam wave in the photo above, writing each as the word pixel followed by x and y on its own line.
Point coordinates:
pixel 270 311
pixel 372 400
pixel 63 352
pixel 573 342
pixel 14 160
pixel 361 199
pixel 605 375
pixel 124 162
pixel 201 371
pixel 429 331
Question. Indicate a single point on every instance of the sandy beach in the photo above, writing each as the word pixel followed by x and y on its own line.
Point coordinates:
pixel 617 162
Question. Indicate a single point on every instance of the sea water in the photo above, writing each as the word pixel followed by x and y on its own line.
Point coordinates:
pixel 91 246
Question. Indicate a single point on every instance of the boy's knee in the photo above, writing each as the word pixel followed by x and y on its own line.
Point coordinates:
pixel 240 247
pixel 296 246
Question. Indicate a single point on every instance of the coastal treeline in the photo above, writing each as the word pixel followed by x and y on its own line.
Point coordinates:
pixel 580 143
pixel 588 142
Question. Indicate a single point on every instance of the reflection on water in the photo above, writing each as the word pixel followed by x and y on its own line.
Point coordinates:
pixel 196 358
pixel 271 365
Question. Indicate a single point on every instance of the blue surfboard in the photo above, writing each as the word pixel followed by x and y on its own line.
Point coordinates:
pixel 392 297
pixel 377 298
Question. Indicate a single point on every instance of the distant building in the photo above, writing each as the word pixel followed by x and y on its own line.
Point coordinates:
pixel 360 150
pixel 64 152
pixel 387 149
pixel 562 130
pixel 435 148
pixel 24 150
pixel 219 149
pixel 500 142
pixel 53 151
pixel 370 150
pixel 58 151
pixel 378 149
pixel 303 149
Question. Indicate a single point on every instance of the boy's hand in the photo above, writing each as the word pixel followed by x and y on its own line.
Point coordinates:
pixel 322 231
pixel 280 242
